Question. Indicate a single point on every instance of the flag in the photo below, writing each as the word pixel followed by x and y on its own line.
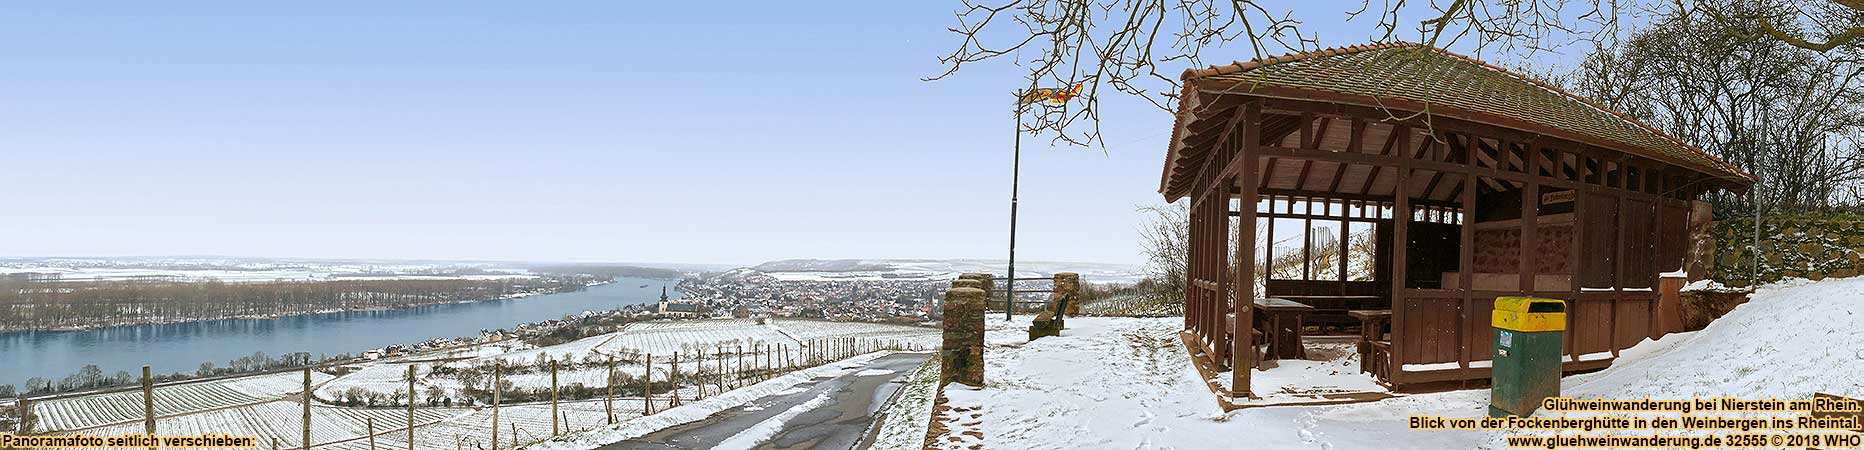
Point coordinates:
pixel 1055 96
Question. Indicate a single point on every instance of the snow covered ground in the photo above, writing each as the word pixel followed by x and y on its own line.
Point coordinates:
pixel 1127 383
pixel 698 410
pixel 1332 367
pixel 126 405
pixel 904 427
pixel 783 338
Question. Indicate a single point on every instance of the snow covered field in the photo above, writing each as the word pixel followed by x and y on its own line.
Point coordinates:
pixel 658 338
pixel 101 409
pixel 688 336
pixel 1127 383
pixel 264 406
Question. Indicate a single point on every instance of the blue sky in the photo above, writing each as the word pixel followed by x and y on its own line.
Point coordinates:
pixel 599 131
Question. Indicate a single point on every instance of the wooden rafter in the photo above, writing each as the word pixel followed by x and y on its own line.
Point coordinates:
pixel 1391 140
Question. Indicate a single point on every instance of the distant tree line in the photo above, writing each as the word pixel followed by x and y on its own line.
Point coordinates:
pixel 608 271
pixel 92 377
pixel 38 304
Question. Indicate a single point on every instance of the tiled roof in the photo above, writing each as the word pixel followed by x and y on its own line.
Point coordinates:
pixel 1452 83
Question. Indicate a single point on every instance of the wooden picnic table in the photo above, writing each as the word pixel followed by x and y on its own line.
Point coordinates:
pixel 1283 332
pixel 1330 309
pixel 1373 324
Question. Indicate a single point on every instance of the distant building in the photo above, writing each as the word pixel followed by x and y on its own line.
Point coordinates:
pixel 676 309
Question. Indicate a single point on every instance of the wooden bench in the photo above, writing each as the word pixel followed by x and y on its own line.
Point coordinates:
pixel 1257 349
pixel 1374 350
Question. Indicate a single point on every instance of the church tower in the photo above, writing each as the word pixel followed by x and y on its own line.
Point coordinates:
pixel 663 299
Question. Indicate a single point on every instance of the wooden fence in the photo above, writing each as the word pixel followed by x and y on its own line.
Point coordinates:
pixel 705 374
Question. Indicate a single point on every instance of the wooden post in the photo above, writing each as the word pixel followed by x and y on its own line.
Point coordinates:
pixel 496 387
pixel 1219 216
pixel 148 405
pixel 608 400
pixel 410 407
pixel 673 380
pixel 1401 243
pixel 647 386
pixel 1582 211
pixel 1467 261
pixel 1530 223
pixel 699 375
pixel 23 409
pixel 1193 294
pixel 1242 350
pixel 1618 258
pixel 738 381
pixel 553 399
pixel 307 408
pixel 371 424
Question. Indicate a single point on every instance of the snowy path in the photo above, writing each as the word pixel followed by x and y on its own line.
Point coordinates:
pixel 829 412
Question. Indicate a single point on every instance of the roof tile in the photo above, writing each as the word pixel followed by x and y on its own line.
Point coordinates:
pixel 1439 77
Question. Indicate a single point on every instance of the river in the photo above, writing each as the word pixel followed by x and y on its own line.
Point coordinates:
pixel 182 347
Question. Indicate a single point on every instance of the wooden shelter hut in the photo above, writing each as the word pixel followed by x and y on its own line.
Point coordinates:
pixel 1440 182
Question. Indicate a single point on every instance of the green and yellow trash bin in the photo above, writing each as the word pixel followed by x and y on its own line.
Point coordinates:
pixel 1529 332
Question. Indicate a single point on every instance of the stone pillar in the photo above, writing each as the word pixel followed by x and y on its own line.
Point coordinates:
pixel 1067 287
pixel 985 282
pixel 1699 260
pixel 1669 304
pixel 961 359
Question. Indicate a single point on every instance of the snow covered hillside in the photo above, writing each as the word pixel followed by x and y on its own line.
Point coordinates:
pixel 1127 383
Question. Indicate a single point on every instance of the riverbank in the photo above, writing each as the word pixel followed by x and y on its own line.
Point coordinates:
pixel 11 328
pixel 183 347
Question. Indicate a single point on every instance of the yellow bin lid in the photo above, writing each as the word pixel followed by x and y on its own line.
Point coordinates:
pixel 1529 314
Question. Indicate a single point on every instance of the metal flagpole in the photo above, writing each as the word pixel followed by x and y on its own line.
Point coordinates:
pixel 1016 167
pixel 1055 96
